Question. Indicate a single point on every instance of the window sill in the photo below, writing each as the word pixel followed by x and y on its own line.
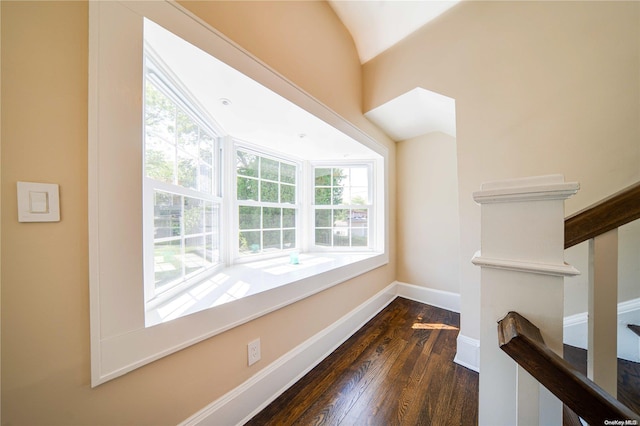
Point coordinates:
pixel 249 279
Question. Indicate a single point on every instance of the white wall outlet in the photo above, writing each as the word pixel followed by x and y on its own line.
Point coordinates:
pixel 253 351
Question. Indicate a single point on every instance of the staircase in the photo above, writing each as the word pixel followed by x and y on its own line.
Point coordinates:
pixel 524 235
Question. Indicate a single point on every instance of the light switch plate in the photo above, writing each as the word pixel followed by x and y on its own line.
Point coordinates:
pixel 38 202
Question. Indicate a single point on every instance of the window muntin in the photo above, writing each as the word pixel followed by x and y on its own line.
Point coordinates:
pixel 342 206
pixel 266 189
pixel 180 176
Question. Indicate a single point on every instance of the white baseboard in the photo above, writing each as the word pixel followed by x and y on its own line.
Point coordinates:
pixel 576 330
pixel 468 353
pixel 245 401
pixel 468 349
pixel 439 298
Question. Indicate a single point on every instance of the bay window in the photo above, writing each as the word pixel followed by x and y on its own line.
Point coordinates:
pixel 201 180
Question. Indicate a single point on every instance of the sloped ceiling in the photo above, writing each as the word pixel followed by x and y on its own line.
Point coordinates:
pixel 376 26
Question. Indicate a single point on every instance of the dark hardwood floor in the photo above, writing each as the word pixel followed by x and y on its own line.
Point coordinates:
pixel 628 376
pixel 396 370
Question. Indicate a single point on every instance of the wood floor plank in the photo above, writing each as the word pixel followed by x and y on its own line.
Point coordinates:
pixel 396 370
pixel 318 381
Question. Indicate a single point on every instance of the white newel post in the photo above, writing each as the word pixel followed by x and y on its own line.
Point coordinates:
pixel 523 270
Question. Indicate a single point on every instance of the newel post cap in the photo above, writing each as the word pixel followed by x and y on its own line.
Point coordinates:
pixel 537 188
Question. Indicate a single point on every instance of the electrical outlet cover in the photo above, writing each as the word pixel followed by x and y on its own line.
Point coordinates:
pixel 253 351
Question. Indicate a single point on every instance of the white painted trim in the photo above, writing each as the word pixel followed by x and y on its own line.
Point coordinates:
pixel 537 188
pixel 575 330
pixel 559 270
pixel 468 353
pixel 120 341
pixel 242 403
pixel 575 319
pixel 439 298
pixel 629 306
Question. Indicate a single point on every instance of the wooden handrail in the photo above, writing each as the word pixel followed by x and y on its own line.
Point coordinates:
pixel 522 341
pixel 610 213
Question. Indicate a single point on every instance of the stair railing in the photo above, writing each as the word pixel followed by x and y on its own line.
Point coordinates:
pixel 523 270
pixel 599 225
pixel 522 341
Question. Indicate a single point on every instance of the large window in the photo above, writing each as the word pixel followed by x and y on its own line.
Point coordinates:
pixel 202 180
pixel 266 196
pixel 342 206
pixel 180 187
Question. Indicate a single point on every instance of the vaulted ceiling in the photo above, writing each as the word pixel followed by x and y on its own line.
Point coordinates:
pixel 377 25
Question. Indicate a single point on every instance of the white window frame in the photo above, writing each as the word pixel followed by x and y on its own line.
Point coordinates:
pixel 236 256
pixel 120 340
pixel 171 88
pixel 371 205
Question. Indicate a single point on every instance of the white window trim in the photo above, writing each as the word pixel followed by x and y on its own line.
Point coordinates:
pixel 120 342
pixel 235 256
pixel 372 229
pixel 178 94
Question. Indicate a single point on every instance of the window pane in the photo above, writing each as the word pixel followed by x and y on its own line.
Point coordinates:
pixel 193 216
pixel 160 113
pixel 247 189
pixel 246 164
pixel 339 177
pixel 167 212
pixel 249 217
pixel 341 237
pixel 341 217
pixel 268 192
pixel 211 217
pixel 323 177
pixel 338 195
pixel 359 237
pixel 289 238
pixel 271 239
pixel 323 218
pixel 212 249
pixel 249 242
pixel 206 179
pixel 323 196
pixel 187 171
pixel 287 173
pixel 212 227
pixel 269 169
pixel 287 194
pixel 206 147
pixel 187 133
pixel 359 195
pixel 167 262
pixel 194 254
pixel 159 159
pixel 323 237
pixel 288 218
pixel 359 176
pixel 271 218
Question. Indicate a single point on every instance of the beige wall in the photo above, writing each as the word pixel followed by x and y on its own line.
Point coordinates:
pixel 540 88
pixel 45 300
pixel 428 223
